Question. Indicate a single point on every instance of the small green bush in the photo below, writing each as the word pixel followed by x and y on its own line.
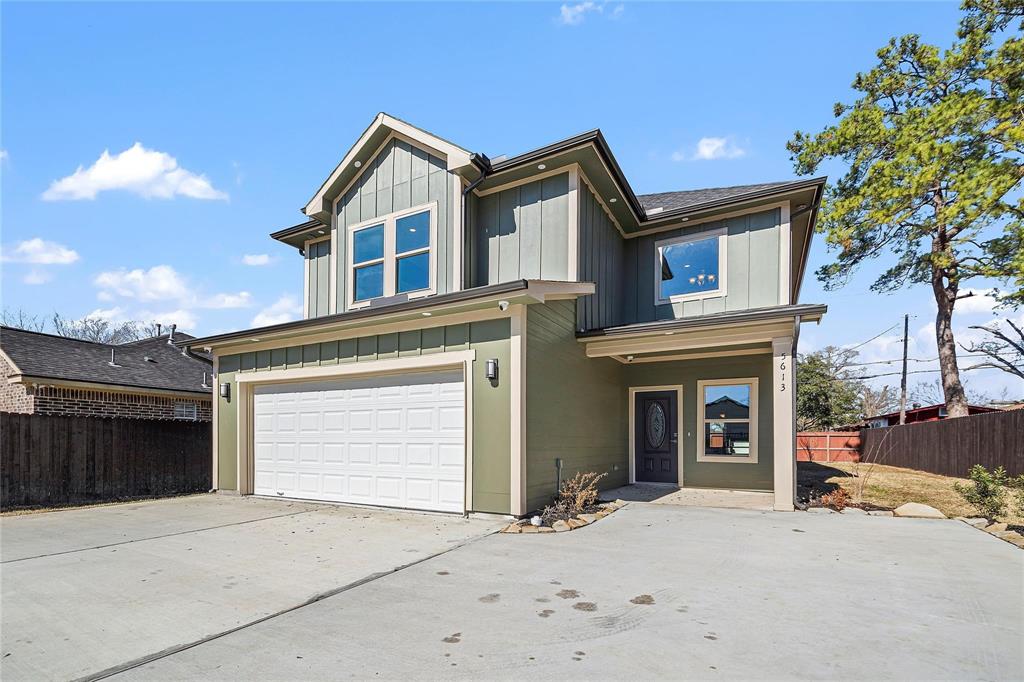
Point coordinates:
pixel 986 492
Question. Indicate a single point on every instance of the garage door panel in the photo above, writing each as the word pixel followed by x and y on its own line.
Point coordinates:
pixel 392 441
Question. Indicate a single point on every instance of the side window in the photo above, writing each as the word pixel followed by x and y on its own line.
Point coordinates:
pixel 727 421
pixel 690 267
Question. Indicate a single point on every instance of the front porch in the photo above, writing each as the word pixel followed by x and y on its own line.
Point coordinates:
pixel 659 493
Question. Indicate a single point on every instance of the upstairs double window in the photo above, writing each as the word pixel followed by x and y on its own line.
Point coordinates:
pixel 392 255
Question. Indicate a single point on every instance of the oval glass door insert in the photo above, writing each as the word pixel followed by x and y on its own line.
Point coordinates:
pixel 655 425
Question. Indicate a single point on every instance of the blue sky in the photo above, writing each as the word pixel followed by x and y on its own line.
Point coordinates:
pixel 240 110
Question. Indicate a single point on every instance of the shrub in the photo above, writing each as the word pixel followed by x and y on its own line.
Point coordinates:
pixel 577 495
pixel 838 499
pixel 986 492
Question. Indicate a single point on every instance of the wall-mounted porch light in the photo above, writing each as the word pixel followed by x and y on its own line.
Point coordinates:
pixel 225 390
pixel 492 369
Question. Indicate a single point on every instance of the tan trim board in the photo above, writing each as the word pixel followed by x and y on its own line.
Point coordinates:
pixel 600 200
pixel 458 235
pixel 785 257
pixel 574 223
pixel 332 303
pixel 694 356
pixel 215 477
pixel 517 434
pixel 783 424
pixel 10 362
pixel 709 219
pixel 366 330
pixel 108 388
pixel 684 341
pixel 632 391
pixel 752 422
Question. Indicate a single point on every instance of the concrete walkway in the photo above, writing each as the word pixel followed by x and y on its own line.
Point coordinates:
pixel 89 590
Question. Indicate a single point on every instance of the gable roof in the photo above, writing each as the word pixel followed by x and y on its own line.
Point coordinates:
pixel 46 356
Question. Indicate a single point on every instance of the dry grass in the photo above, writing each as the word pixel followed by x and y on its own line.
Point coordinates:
pixel 888 486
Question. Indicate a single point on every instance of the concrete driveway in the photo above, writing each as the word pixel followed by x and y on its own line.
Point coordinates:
pixel 653 591
pixel 88 590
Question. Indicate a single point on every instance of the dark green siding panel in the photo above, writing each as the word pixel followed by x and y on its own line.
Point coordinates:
pixel 716 474
pixel 387 346
pixel 278 358
pixel 409 343
pixel 230 363
pixel 348 350
pixel 329 353
pixel 554 257
pixel 367 348
pixel 319 257
pixel 602 258
pixel 456 337
pixel 575 406
pixel 432 340
pixel 311 355
pixel 294 356
pixel 263 359
pixel 248 362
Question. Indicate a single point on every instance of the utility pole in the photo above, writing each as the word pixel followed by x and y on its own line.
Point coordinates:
pixel 903 376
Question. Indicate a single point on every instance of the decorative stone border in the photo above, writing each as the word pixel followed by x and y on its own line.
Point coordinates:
pixel 1000 530
pixel 524 525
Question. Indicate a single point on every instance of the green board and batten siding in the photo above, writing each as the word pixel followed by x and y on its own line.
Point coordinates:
pixel 752 269
pixel 491 402
pixel 522 233
pixel 400 176
pixel 601 261
pixel 575 406
pixel 319 256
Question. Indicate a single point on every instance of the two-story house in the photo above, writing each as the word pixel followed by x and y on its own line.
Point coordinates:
pixel 474 330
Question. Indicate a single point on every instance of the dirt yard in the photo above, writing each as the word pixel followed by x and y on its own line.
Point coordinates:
pixel 886 486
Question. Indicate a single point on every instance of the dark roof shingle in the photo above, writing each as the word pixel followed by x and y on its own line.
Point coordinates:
pixel 674 201
pixel 56 357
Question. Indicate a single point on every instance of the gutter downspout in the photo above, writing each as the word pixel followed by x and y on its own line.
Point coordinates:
pixel 483 164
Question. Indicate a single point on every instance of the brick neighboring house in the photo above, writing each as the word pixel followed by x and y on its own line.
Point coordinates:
pixel 146 379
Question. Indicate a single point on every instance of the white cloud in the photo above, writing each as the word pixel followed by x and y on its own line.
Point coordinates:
pixel 573 15
pixel 185 319
pixel 617 11
pixel 37 276
pixel 3 155
pixel 40 252
pixel 256 259
pixel 285 309
pixel 146 172
pixel 980 301
pixel 710 149
pixel 160 282
pixel 243 299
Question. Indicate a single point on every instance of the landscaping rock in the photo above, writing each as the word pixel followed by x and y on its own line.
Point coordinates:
pixel 512 528
pixel 545 529
pixel 995 527
pixel 916 510
pixel 976 522
pixel 560 526
pixel 855 511
pixel 589 518
pixel 880 512
pixel 820 510
pixel 1008 535
pixel 603 513
pixel 530 529
pixel 576 523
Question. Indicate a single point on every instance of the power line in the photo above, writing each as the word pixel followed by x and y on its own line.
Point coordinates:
pixel 889 362
pixel 873 337
pixel 916 371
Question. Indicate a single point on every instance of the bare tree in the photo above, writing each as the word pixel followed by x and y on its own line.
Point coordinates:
pixel 875 402
pixel 19 319
pixel 1005 349
pixel 98 329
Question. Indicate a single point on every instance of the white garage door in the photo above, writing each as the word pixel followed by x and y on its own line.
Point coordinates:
pixel 395 441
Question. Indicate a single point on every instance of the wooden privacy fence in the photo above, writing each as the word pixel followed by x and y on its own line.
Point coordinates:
pixel 951 446
pixel 54 460
pixel 827 446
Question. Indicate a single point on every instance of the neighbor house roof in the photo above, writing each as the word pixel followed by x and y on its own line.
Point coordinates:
pixel 976 409
pixel 675 201
pixel 151 363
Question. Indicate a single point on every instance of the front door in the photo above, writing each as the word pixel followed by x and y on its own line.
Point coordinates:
pixel 656 438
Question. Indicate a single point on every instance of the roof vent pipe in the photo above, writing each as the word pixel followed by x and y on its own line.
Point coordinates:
pixel 159 328
pixel 113 359
pixel 170 334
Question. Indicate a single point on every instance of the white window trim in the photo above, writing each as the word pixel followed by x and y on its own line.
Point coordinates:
pixel 186 404
pixel 717 292
pixel 754 417
pixel 390 257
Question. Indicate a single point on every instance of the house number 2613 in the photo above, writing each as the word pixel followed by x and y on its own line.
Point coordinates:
pixel 782 368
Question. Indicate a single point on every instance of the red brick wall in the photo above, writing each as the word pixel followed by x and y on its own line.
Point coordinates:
pixel 828 446
pixel 92 403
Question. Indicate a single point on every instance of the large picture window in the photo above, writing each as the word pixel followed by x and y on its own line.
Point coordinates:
pixel 392 255
pixel 690 267
pixel 727 421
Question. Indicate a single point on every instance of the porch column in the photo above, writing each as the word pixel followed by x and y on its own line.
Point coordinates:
pixel 783 423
